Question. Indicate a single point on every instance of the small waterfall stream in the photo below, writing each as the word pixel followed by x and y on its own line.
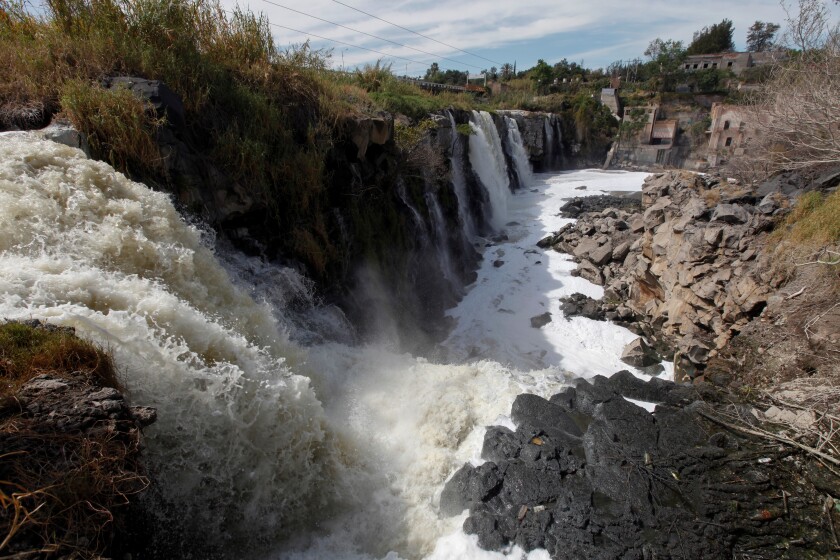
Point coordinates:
pixel 522 166
pixel 488 160
pixel 459 182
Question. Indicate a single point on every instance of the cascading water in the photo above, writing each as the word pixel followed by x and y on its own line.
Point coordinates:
pixel 549 138
pixel 519 156
pixel 82 246
pixel 420 225
pixel 250 461
pixel 459 183
pixel 488 160
pixel 441 239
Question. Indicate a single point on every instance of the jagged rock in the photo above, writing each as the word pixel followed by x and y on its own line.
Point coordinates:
pixel 165 101
pixel 638 354
pixel 590 272
pixel 469 486
pixel 730 213
pixel 580 205
pixel 601 255
pixel 634 480
pixel 694 349
pixel 539 321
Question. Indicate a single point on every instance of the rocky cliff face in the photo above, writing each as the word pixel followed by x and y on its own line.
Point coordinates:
pixel 390 239
pixel 688 265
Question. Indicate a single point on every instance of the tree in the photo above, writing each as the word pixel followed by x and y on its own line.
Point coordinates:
pixel 714 39
pixel 796 115
pixel 542 75
pixel 760 36
pixel 665 61
pixel 807 26
pixel 507 71
pixel 433 73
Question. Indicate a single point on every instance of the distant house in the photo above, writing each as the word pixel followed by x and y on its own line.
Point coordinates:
pixel 728 133
pixel 735 62
pixel 654 140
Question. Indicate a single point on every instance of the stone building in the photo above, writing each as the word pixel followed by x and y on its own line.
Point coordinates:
pixel 735 62
pixel 728 134
pixel 654 141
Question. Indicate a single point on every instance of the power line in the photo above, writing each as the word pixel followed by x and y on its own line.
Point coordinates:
pixel 370 34
pixel 348 44
pixel 416 33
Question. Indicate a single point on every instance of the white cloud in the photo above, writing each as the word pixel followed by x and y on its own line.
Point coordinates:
pixel 598 30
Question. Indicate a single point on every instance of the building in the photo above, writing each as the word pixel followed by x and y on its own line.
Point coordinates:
pixel 735 62
pixel 653 140
pixel 728 133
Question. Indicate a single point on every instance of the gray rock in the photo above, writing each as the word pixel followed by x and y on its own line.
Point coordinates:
pixel 536 410
pixel 539 321
pixel 638 354
pixel 730 213
pixel 601 255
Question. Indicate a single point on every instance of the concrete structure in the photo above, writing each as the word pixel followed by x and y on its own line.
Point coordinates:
pixel 735 62
pixel 653 144
pixel 609 97
pixel 728 134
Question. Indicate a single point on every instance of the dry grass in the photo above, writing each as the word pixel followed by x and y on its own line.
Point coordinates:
pixel 119 125
pixel 26 352
pixel 815 220
pixel 59 490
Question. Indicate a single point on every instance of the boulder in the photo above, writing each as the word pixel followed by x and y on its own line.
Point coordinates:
pixel 638 354
pixel 601 255
pixel 539 321
pixel 730 214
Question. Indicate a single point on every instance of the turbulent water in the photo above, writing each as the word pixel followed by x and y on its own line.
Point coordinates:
pixel 267 446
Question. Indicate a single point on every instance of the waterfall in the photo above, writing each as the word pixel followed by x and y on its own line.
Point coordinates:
pixel 459 182
pixel 264 448
pixel 82 246
pixel 548 150
pixel 419 223
pixel 244 452
pixel 488 160
pixel 441 239
pixel 520 158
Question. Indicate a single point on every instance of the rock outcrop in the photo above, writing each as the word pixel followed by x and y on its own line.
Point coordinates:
pixel 589 474
pixel 71 454
pixel 687 268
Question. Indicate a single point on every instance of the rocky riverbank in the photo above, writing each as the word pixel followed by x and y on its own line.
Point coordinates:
pixel 70 446
pixel 687 271
pixel 590 474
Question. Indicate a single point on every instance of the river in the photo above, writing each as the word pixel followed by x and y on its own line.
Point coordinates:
pixel 263 444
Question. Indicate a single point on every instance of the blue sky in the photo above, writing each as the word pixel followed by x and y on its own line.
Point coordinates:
pixel 595 32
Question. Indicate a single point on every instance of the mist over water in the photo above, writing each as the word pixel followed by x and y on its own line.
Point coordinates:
pixel 276 437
